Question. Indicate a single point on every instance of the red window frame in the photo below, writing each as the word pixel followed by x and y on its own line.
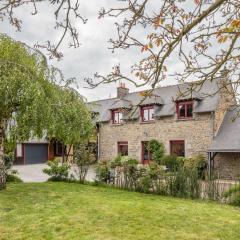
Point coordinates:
pixel 116 112
pixel 149 158
pixel 185 104
pixel 122 145
pixel 147 108
pixel 177 142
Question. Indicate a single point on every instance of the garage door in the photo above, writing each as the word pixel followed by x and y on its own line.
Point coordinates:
pixel 35 153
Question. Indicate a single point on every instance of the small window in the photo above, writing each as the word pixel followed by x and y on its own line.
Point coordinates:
pixel 123 148
pixel 117 117
pixel 146 154
pixel 59 148
pixel 185 110
pixel 147 113
pixel 177 148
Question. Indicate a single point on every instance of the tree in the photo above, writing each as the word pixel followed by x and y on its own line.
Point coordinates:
pixel 35 100
pixel 201 36
pixel 65 14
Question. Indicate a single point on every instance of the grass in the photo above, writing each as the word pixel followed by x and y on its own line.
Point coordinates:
pixel 74 211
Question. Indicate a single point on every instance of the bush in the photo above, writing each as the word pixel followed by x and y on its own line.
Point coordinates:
pixel 172 162
pixel 103 172
pixel 11 176
pixel 233 195
pixel 83 157
pixel 157 150
pixel 116 162
pixel 130 171
pixel 198 162
pixel 57 171
pixel 8 160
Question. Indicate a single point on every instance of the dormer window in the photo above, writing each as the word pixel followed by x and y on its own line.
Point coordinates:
pixel 185 109
pixel 147 113
pixel 117 116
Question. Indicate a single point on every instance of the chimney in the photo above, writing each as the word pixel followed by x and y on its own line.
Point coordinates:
pixel 122 91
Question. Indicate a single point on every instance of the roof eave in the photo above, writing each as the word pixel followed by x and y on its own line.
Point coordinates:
pixel 223 150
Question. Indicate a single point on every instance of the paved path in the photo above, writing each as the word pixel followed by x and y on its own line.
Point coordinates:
pixel 34 173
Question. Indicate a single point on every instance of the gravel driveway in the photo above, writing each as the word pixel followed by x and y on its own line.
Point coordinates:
pixel 34 173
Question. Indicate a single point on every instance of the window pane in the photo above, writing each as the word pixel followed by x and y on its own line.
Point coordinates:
pixel 145 115
pixel 151 114
pixel 181 110
pixel 123 149
pixel 189 110
pixel 145 151
pixel 177 148
pixel 120 115
pixel 115 117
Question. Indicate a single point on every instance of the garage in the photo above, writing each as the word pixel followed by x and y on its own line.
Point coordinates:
pixel 35 153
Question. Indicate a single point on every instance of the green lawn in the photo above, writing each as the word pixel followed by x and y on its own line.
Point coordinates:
pixel 74 211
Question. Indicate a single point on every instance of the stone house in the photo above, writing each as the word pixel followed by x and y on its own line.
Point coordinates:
pixel 189 119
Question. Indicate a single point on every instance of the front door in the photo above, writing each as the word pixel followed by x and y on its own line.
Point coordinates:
pixel 146 154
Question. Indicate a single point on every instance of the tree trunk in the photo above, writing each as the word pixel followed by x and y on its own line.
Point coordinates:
pixel 2 165
pixel 68 152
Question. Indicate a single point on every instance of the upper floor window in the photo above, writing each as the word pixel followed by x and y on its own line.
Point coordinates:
pixel 147 113
pixel 117 117
pixel 185 110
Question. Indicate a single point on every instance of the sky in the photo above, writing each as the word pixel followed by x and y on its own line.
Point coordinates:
pixel 92 56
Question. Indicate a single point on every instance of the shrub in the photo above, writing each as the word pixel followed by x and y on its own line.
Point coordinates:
pixel 130 171
pixel 184 183
pixel 198 162
pixel 116 162
pixel 11 176
pixel 57 171
pixel 103 172
pixel 8 160
pixel 145 184
pixel 172 162
pixel 233 195
pixel 83 157
pixel 157 150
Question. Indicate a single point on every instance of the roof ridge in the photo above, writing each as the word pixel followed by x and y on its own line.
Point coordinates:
pixel 167 86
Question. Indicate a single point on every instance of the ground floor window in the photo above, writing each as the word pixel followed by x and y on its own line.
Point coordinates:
pixel 123 148
pixel 177 148
pixel 146 154
pixel 59 148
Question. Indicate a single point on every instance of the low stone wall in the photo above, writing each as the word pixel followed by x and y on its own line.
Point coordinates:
pixel 227 166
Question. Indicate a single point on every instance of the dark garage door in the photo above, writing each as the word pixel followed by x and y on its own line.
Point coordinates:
pixel 35 153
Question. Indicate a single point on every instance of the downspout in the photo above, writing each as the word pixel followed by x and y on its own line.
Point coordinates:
pixel 98 141
pixel 98 146
pixel 213 124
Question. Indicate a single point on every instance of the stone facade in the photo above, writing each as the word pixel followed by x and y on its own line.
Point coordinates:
pixel 227 165
pixel 226 99
pixel 197 134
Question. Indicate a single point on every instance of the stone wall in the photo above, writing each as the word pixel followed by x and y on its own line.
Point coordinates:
pixel 226 99
pixel 227 165
pixel 197 134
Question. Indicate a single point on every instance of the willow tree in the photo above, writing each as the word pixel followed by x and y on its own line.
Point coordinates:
pixel 32 103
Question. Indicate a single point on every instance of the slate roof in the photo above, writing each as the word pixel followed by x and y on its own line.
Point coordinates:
pixel 121 103
pixel 228 136
pixel 165 99
pixel 153 99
